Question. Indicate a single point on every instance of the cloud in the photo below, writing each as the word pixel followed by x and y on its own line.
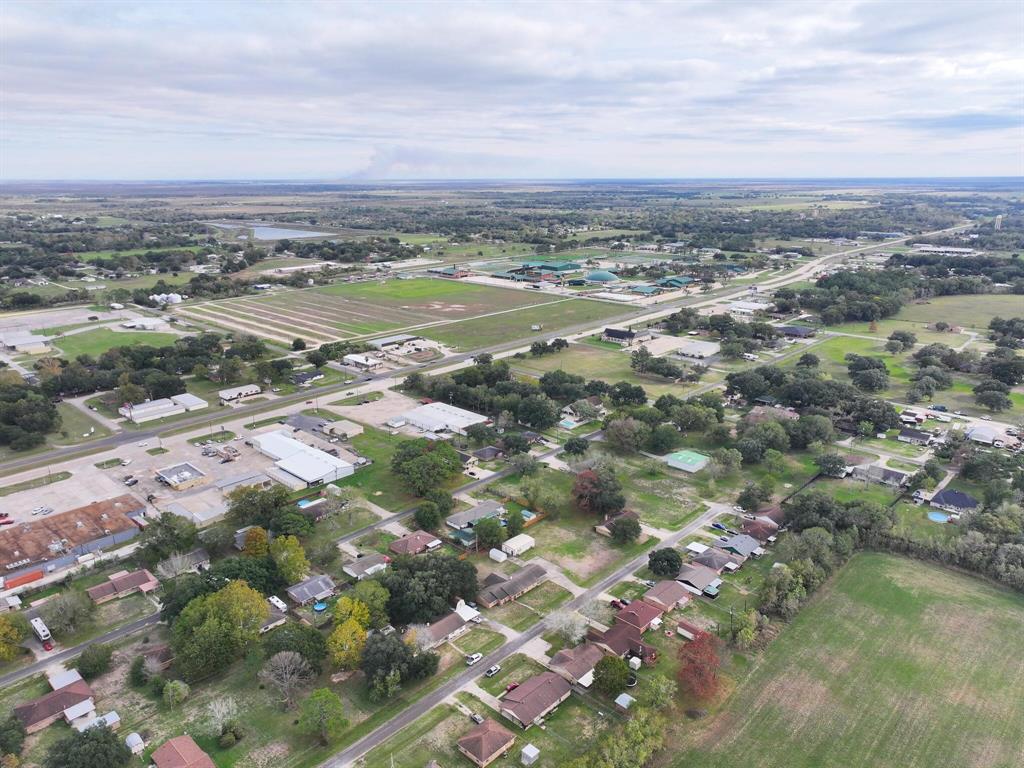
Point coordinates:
pixel 235 89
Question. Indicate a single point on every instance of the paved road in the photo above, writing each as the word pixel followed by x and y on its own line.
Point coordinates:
pixel 70 653
pixel 349 755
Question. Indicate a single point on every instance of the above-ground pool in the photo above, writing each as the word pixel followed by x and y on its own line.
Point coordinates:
pixel 938 517
pixel 320 607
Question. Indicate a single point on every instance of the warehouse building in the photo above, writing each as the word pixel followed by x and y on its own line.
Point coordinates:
pixel 150 410
pixel 238 393
pixel 441 417
pixel 697 349
pixel 300 465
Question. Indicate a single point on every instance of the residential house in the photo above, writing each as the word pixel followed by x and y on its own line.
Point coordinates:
pixel 456 623
pixel 743 545
pixel 470 517
pixel 70 701
pixel 719 560
pixel 305 378
pixel 275 618
pixel 667 595
pixel 314 588
pixel 773 513
pixel 797 331
pixel 180 752
pixel 366 566
pixel 534 698
pixel 498 589
pixel 624 336
pixel 914 436
pixel 577 664
pixel 623 640
pixel 640 614
pixel 191 562
pixel 604 528
pixel 486 743
pixel 761 529
pixel 122 584
pixel 700 579
pixel 488 453
pixel 876 473
pixel 953 501
pixel 414 543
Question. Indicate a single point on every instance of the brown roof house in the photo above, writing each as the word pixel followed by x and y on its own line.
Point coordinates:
pixel 641 615
pixel 534 698
pixel 667 595
pixel 122 584
pixel 181 752
pixel 623 640
pixel 700 578
pixel 71 701
pixel 456 623
pixel 498 589
pixel 414 543
pixel 577 664
pixel 487 742
pixel 761 529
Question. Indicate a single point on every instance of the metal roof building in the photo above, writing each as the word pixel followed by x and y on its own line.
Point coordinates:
pixel 441 417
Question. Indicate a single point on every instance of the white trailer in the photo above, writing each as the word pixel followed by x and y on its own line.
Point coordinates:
pixel 39 629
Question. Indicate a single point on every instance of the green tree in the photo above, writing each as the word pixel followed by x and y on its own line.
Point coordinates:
pixel 322 715
pixel 94 660
pixel 514 523
pixel 300 638
pixel 625 530
pixel 290 558
pixel 349 608
pixel 659 691
pixel 345 644
pixel 598 492
pixel 489 533
pixel 576 446
pixel 176 693
pixel 13 630
pixel 374 596
pixel 665 562
pixel 12 735
pixel 298 344
pixel 427 516
pixel 611 675
pixel 831 464
pixel 96 747
pixel 164 536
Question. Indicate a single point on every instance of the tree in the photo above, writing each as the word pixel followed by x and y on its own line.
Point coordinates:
pixel 663 439
pixel 698 666
pixel 423 465
pixel 94 660
pixel 993 400
pixel 514 523
pixel 298 637
pixel 298 344
pixel 659 691
pixel 425 587
pixel 12 735
pixel 598 492
pixel 96 747
pixel 524 465
pixel 626 435
pixel 66 612
pixel 350 608
pixel 870 379
pixel 427 516
pixel 13 630
pixel 374 596
pixel 322 715
pixel 753 496
pixel 445 501
pixel 611 675
pixel 257 543
pixel 537 412
pixel 576 446
pixel 290 558
pixel 164 536
pixel 665 562
pixel 570 626
pixel 176 693
pixel 345 644
pixel 831 464
pixel 287 671
pixel 489 533
pixel 220 712
pixel 808 360
pixel 625 530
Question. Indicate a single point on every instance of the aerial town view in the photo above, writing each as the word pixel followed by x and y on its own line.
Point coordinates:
pixel 407 385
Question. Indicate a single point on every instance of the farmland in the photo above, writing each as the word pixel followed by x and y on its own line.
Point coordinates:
pixel 895 663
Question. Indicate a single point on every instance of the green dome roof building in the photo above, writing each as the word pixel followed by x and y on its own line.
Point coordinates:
pixel 601 276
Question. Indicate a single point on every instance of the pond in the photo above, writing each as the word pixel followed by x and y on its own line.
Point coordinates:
pixel 269 232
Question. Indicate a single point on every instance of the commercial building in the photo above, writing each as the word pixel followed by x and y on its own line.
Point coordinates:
pixel 234 394
pixel 797 331
pixel 697 349
pixel 624 336
pixel 534 698
pixel 983 434
pixel 26 343
pixel 687 461
pixel 180 477
pixel 139 413
pixel 392 341
pixel 300 465
pixel 343 429
pixel 441 417
pixel 29 550
pixel 748 308
pixel 363 362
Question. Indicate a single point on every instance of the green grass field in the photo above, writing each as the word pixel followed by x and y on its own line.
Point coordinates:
pixel 967 311
pixel 97 342
pixel 94 255
pixel 513 326
pixel 895 664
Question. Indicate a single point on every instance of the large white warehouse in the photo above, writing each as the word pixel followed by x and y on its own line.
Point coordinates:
pixel 441 417
pixel 306 464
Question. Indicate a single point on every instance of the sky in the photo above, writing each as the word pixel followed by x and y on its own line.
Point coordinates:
pixel 431 90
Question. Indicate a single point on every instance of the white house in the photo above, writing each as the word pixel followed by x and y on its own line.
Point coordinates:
pixel 238 393
pixel 365 362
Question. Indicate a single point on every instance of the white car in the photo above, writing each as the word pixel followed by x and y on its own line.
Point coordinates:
pixel 493 671
pixel 473 659
pixel 143 444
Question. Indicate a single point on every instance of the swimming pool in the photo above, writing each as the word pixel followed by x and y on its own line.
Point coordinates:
pixel 938 517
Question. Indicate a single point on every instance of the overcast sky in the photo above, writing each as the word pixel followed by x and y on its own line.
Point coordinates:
pixel 331 90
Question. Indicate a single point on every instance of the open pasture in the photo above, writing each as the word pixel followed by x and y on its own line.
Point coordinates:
pixel 895 663
pixel 348 310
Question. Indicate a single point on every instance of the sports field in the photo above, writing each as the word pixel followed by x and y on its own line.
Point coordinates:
pixel 895 664
pixel 347 310
pixel 100 340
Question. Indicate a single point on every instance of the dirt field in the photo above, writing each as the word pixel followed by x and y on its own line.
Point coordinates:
pixel 895 664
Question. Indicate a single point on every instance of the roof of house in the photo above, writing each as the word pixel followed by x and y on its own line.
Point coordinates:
pixel 666 593
pixel 487 739
pixel 742 544
pixel 124 582
pixel 487 453
pixel 775 513
pixel 622 639
pixel 53 703
pixel 181 752
pixel 639 613
pixel 509 586
pixel 444 626
pixel 949 497
pixel 413 543
pixel 915 434
pixel 799 331
pixel 619 333
pixel 535 696
pixel 759 529
pixel 715 558
pixel 362 565
pixel 479 512
pixel 577 662
pixel 983 433
pixel 307 590
pixel 696 575
pixel 881 474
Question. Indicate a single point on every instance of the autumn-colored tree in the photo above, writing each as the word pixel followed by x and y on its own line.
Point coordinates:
pixel 257 543
pixel 290 558
pixel 345 645
pixel 13 629
pixel 598 492
pixel 698 666
pixel 349 608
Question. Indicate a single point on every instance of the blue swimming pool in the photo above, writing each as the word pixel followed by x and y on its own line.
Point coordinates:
pixel 938 517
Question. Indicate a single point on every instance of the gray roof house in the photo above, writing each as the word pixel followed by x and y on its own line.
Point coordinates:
pixel 470 517
pixel 313 588
pixel 953 501
pixel 743 545
pixel 498 589
pixel 368 565
pixel 876 473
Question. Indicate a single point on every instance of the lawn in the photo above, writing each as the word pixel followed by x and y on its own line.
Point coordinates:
pixel 479 640
pixel 973 311
pixel 517 325
pixel 895 663
pixel 912 522
pixel 855 490
pixel 599 362
pixel 98 341
pixel 530 608
pixel 76 427
pixel 94 255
